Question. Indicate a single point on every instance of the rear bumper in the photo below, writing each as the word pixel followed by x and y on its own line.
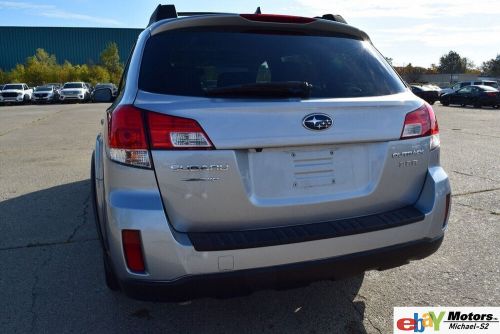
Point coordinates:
pixel 172 259
pixel 236 283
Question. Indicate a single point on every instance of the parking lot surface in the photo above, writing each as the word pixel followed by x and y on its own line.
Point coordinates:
pixel 51 278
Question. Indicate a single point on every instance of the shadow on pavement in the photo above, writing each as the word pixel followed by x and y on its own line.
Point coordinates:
pixel 49 240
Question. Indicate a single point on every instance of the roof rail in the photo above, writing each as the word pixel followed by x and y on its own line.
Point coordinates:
pixel 332 17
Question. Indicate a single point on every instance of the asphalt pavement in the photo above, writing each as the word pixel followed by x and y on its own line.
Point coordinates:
pixel 51 278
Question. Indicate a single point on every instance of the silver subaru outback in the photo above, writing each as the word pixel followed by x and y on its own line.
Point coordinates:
pixel 258 151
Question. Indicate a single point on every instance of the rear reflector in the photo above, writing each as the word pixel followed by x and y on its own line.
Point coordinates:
pixel 277 18
pixel 132 248
pixel 447 209
pixel 422 123
pixel 170 132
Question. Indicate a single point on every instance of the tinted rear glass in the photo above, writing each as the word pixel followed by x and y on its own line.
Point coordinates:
pixel 192 62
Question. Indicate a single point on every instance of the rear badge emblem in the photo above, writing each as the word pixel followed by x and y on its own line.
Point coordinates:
pixel 317 122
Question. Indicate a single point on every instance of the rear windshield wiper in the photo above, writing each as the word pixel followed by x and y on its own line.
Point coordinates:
pixel 264 89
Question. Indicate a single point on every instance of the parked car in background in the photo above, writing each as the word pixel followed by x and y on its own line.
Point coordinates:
pixel 45 94
pixel 98 95
pixel 425 93
pixel 90 88
pixel 433 87
pixel 16 93
pixel 208 178
pixel 462 84
pixel 475 95
pixel 74 91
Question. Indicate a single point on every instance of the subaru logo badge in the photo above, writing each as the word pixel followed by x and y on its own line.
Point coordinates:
pixel 317 122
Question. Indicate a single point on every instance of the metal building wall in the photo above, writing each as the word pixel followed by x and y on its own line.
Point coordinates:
pixel 77 45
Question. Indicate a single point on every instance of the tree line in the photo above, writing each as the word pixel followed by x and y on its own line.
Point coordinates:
pixel 451 63
pixel 42 68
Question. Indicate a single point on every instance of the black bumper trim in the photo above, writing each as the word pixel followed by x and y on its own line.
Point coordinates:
pixel 218 241
pixel 244 282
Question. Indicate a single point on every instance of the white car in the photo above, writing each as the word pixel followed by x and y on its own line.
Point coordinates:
pixel 74 91
pixel 16 93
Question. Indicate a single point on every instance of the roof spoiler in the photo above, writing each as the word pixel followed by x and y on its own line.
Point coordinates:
pixel 163 12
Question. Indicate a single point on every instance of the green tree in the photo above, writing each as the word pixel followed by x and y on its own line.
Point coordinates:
pixel 491 67
pixel 98 74
pixel 452 63
pixel 411 73
pixel 4 76
pixel 110 60
pixel 17 74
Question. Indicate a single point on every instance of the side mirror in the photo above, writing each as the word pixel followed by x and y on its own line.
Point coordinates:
pixel 103 95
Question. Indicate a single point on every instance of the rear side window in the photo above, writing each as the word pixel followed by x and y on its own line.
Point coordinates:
pixel 191 63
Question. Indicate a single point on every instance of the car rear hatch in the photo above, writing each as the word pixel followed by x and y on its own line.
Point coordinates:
pixel 266 166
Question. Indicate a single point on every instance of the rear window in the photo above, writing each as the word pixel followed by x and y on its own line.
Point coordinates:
pixel 187 62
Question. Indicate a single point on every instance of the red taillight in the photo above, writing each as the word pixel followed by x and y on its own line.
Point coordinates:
pixel 421 123
pixel 493 94
pixel 127 138
pixel 127 135
pixel 132 248
pixel 126 128
pixel 277 18
pixel 170 132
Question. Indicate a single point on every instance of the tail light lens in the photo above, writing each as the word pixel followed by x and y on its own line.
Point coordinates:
pixel 422 123
pixel 171 132
pixel 127 137
pixel 132 248
pixel 493 94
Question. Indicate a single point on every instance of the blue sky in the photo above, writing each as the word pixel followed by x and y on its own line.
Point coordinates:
pixel 417 31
